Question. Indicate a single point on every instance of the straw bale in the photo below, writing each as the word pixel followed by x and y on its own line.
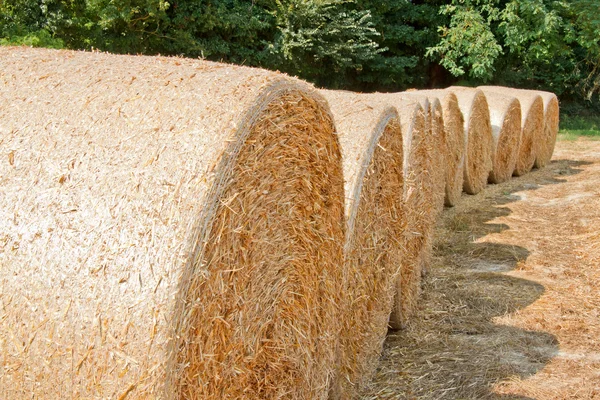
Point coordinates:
pixel 545 146
pixel 453 142
pixel 438 161
pixel 478 138
pixel 505 116
pixel 171 229
pixel 371 143
pixel 418 202
pixel 439 154
pixel 532 125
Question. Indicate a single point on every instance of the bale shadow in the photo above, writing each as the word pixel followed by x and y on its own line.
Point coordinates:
pixel 454 349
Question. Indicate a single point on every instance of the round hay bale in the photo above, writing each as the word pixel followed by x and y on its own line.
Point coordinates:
pixel 418 203
pixel 478 138
pixel 453 143
pixel 371 143
pixel 435 194
pixel 438 159
pixel 545 146
pixel 532 125
pixel 170 229
pixel 439 154
pixel 505 116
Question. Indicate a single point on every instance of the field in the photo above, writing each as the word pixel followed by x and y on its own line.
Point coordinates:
pixel 577 126
pixel 510 308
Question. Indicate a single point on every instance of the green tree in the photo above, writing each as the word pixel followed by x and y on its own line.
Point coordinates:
pixel 405 30
pixel 227 30
pixel 322 41
pixel 467 43
pixel 545 44
pixel 126 26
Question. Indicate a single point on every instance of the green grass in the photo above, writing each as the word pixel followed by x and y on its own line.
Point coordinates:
pixel 573 127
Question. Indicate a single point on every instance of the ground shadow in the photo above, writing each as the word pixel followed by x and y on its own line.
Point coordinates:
pixel 455 349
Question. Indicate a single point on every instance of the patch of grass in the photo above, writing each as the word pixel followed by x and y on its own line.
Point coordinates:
pixel 573 127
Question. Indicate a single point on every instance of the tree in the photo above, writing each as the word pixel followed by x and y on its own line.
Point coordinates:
pixel 322 41
pixel 405 30
pixel 545 44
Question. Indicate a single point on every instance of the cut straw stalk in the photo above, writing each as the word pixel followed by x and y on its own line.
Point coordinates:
pixel 532 126
pixel 371 142
pixel 545 147
pixel 418 202
pixel 453 142
pixel 478 138
pixel 505 116
pixel 170 229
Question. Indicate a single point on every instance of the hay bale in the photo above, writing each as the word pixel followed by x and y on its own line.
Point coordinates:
pixel 435 194
pixel 453 143
pixel 371 143
pixel 439 155
pixel 478 138
pixel 505 116
pixel 545 146
pixel 170 229
pixel 532 125
pixel 418 203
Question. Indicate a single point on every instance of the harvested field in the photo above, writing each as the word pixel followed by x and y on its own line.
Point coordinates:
pixel 510 309
pixel 372 152
pixel 169 228
pixel 478 138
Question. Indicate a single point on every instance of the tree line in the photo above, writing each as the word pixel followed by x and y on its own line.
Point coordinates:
pixel 363 45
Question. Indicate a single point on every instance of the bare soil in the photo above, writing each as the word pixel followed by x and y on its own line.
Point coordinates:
pixel 511 307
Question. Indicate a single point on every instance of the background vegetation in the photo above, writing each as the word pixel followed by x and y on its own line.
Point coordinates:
pixel 363 45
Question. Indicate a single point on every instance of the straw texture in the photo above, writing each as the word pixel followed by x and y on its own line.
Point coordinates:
pixel 417 201
pixel 371 142
pixel 169 229
pixel 478 138
pixel 532 125
pixel 545 147
pixel 437 142
pixel 438 160
pixel 453 143
pixel 505 117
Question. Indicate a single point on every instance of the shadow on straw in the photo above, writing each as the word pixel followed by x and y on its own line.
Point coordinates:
pixel 453 349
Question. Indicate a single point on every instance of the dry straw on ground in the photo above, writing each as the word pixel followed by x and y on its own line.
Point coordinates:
pixel 171 229
pixel 371 143
pixel 505 117
pixel 478 138
pixel 545 146
pixel 418 202
pixel 453 143
pixel 532 124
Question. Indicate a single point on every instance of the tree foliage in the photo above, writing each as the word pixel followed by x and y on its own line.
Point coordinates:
pixel 548 44
pixel 323 41
pixel 361 45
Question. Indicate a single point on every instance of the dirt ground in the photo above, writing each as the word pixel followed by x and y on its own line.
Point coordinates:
pixel 511 307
